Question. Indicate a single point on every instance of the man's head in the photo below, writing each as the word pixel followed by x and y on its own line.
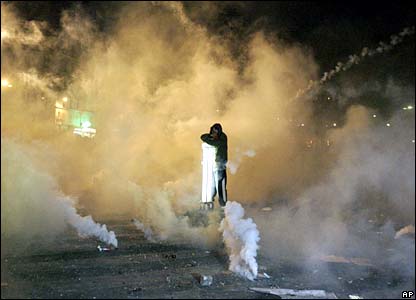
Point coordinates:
pixel 216 130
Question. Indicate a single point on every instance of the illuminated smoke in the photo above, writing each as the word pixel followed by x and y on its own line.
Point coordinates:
pixel 155 209
pixel 237 158
pixel 32 205
pixel 156 82
pixel 240 237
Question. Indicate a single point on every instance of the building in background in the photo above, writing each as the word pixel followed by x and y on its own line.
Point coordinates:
pixel 68 116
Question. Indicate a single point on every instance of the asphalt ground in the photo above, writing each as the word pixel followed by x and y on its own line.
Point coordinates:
pixel 72 267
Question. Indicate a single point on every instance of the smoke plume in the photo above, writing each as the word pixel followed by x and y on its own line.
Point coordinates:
pixel 32 206
pixel 357 58
pixel 240 237
pixel 148 233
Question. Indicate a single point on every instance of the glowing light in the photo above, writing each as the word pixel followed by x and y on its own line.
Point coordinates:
pixel 4 82
pixel 409 107
pixel 413 141
pixel 374 116
pixel 10 85
pixel 335 124
pixel 65 99
pixel 208 180
pixel 4 34
pixel 388 125
pixel 86 124
pixel 404 108
pixel 58 105
pixel 85 132
pixel 302 125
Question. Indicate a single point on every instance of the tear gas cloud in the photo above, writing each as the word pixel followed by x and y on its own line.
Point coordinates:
pixel 241 238
pixel 37 209
pixel 156 83
pixel 357 207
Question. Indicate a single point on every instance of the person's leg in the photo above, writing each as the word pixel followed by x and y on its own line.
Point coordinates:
pixel 222 187
pixel 214 188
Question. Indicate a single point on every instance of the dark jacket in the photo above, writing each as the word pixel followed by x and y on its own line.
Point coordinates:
pixel 221 157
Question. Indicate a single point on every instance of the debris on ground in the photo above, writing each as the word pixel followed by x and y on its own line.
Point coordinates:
pixel 101 249
pixel 361 261
pixel 266 209
pixel 263 275
pixel 203 280
pixel 340 259
pixel 409 229
pixel 296 294
pixel 333 258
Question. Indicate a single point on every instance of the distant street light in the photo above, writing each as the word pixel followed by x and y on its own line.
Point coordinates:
pixel 4 34
pixel 4 82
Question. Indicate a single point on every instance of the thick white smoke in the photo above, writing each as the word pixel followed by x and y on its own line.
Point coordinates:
pixel 32 205
pixel 240 237
pixel 148 233
pixel 86 226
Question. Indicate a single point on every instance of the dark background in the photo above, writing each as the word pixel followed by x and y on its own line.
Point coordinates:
pixel 332 29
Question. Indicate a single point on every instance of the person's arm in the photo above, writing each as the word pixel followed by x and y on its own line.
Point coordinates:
pixel 210 141
pixel 207 138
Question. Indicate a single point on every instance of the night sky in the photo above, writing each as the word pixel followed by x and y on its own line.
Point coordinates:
pixel 332 30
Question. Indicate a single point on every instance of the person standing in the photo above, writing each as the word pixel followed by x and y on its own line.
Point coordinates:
pixel 218 139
